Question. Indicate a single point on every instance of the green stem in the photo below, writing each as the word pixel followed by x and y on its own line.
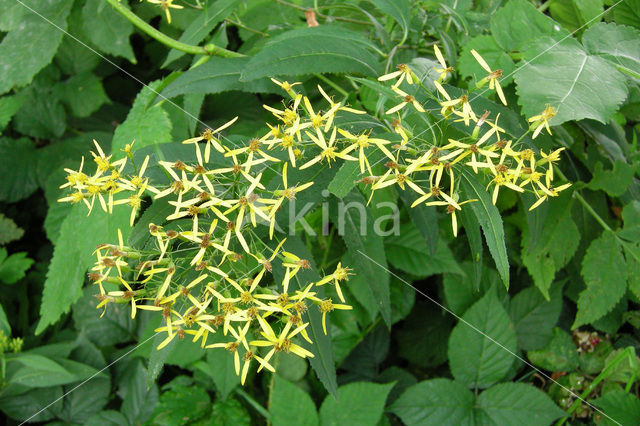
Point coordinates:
pixel 591 211
pixel 545 6
pixel 209 49
pixel 332 84
pixel 259 408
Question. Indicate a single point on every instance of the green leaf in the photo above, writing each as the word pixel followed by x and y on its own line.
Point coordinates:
pixel 322 49
pixel 481 356
pixel 217 75
pixel 518 22
pixel 622 407
pixel 181 405
pixel 18 181
pixel 30 46
pixel 614 182
pixel 323 361
pixel 13 268
pixel 283 412
pixel 139 400
pixel 355 224
pixel 9 105
pixel 39 371
pixel 436 401
pixel 219 366
pixel 534 317
pixel 146 124
pixel 550 240
pixel 579 85
pixel 574 14
pixel 491 222
pixel 408 252
pixel 517 404
pixel 41 115
pixel 5 327
pixel 605 274
pixel 627 13
pixel 9 231
pixel 24 406
pixel 631 220
pixel 559 355
pixel 157 358
pixel 422 338
pixel 400 10
pixel 108 30
pixel 107 418
pixel 472 230
pixel 424 218
pixel 349 174
pixel 83 93
pixel 12 14
pixel 202 26
pixel 72 256
pixel 359 403
pixel 495 56
pixel 229 411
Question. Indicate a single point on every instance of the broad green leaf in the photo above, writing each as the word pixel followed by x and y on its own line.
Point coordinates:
pixel 39 371
pixel 622 408
pixel 517 404
pixel 495 56
pixel 293 368
pixel 461 294
pixel 229 411
pixel 107 418
pixel 422 338
pixel 323 49
pixel 217 75
pixel 359 403
pixel 181 405
pixel 30 46
pixel 408 252
pixel 201 27
pixel 13 268
pixel 108 30
pixel 605 274
pixel 323 362
pixel 12 13
pixel 83 93
pixel 424 218
pixel 614 182
pixel 627 13
pixel 579 85
pixel 534 317
pixel 9 105
pixel 631 220
pixel 576 14
pixel 72 257
pixel 435 401
pixel 18 181
pixel 157 358
pixel 146 124
pixel 24 406
pixel 42 115
pixel 283 412
pixel 400 10
pixel 481 353
pixel 558 355
pixel 550 241
pixel 474 236
pixel 355 224
pixel 140 400
pixel 9 231
pixel 349 174
pixel 518 22
pixel 490 220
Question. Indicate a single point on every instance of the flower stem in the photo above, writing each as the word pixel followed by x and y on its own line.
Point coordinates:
pixel 209 49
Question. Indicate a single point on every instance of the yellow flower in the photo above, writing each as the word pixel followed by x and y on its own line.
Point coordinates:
pixel 209 137
pixel 327 306
pixel 232 347
pixel 492 78
pixel 285 85
pixel 282 342
pixel 166 5
pixel 465 111
pixel 435 190
pixel 329 150
pixel 542 120
pixel 340 274
pixel 445 70
pixel 404 72
pixel 553 192
pixel 362 141
pixel 406 100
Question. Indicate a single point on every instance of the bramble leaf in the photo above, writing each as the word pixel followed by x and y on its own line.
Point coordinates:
pixel 615 181
pixel 558 355
pixel 20 180
pixel 107 29
pixel 13 268
pixel 359 403
pixel 9 231
pixel 517 404
pixel 283 412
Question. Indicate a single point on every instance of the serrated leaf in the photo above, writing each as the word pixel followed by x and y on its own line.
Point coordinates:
pixel 9 231
pixel 518 22
pixel 491 222
pixel 72 257
pixel 495 56
pixel 575 14
pixel 217 75
pixel 200 27
pixel 83 93
pixel 558 355
pixel 550 241
pixel 139 400
pixel 408 251
pixel 39 371
pixel 400 10
pixel 579 85
pixel 323 49
pixel 157 358
pixel 435 401
pixel 283 412
pixel 12 13
pixel 9 105
pixel 13 268
pixel 229 411
pixel 41 114
pixel 614 182
pixel 18 181
pixel 605 274
pixel 355 224
pixel 108 30
pixel 19 61
pixel 359 403
pixel 534 317
pixel 481 356
pixel 622 407
pixel 146 124
pixel 517 404
pixel 181 405
pixel 422 338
